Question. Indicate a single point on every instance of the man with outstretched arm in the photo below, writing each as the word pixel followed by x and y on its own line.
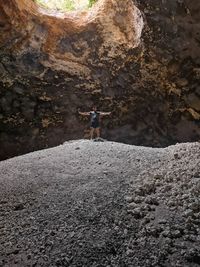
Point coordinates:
pixel 95 117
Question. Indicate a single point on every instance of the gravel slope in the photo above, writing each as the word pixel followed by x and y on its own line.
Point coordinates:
pixel 101 204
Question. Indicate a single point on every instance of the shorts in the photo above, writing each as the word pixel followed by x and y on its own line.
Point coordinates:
pixel 95 125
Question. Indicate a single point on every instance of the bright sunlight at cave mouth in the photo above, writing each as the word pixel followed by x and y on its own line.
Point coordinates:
pixel 66 5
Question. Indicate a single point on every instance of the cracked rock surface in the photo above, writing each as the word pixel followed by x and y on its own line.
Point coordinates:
pixel 95 204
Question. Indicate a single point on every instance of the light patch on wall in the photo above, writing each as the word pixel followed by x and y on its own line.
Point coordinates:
pixel 66 5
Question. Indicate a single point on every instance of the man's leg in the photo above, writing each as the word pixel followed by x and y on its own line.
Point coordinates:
pixel 98 132
pixel 91 133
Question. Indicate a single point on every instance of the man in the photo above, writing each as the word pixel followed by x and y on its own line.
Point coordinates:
pixel 95 117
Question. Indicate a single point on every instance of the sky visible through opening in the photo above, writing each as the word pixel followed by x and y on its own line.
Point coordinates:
pixel 66 5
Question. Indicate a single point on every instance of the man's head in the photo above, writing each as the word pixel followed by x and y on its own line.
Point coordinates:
pixel 94 108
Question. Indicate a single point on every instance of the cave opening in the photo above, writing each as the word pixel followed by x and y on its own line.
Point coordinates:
pixel 66 5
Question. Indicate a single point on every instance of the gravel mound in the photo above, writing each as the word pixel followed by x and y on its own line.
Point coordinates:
pixel 101 204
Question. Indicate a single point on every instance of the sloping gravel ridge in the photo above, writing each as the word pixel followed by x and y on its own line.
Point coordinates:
pixel 92 204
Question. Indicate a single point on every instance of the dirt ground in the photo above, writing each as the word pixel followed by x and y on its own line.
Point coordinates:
pixel 92 204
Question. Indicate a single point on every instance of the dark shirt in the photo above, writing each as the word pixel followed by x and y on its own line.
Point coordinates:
pixel 94 117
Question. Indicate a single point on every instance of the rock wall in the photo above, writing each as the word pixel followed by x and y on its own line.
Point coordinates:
pixel 139 60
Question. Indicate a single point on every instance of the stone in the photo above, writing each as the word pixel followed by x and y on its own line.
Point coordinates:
pixel 152 200
pixel 19 206
pixel 137 213
pixel 166 233
pixel 18 90
pixel 188 213
pixel 176 156
pixel 182 82
pixel 176 234
pixel 193 101
pixel 138 199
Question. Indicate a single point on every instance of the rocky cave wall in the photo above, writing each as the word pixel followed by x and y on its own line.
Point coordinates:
pixel 138 59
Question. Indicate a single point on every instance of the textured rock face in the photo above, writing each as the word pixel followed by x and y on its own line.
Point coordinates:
pixel 139 60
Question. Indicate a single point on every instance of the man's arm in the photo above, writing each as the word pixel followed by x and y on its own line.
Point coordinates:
pixel 105 113
pixel 84 113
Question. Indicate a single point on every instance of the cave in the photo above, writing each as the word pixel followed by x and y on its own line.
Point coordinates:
pixel 130 198
pixel 138 59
